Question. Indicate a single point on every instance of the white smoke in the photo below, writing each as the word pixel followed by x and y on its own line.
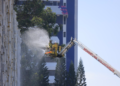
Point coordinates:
pixel 36 39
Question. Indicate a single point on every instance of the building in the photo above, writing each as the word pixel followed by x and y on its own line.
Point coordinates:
pixel 9 45
pixel 67 15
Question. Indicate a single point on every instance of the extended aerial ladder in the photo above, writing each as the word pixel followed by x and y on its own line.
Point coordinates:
pixel 73 42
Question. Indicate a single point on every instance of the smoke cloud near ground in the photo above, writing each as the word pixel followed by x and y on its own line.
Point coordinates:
pixel 36 40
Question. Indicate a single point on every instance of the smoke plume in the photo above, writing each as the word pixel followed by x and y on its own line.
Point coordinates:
pixel 36 40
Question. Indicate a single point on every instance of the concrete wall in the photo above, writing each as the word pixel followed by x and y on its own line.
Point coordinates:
pixel 9 45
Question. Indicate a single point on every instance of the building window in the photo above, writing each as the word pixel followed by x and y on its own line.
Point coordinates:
pixel 58 3
pixel 48 3
pixel 64 34
pixel 55 3
pixel 64 4
pixel 51 2
pixel 64 20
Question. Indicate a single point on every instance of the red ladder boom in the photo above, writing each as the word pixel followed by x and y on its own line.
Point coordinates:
pixel 98 58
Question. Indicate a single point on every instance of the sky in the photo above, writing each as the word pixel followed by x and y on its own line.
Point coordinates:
pixel 99 30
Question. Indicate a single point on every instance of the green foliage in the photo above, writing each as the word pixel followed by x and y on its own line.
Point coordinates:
pixel 60 74
pixel 63 78
pixel 32 13
pixel 26 12
pixel 49 21
pixel 37 21
pixel 71 77
pixel 81 80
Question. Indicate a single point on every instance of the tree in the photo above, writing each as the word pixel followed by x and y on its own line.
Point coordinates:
pixel 43 74
pixel 71 77
pixel 81 80
pixel 60 73
pixel 32 13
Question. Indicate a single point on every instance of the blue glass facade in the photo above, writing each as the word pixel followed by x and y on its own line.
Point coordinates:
pixel 69 31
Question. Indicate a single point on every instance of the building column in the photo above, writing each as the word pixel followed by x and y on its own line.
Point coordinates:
pixel 76 35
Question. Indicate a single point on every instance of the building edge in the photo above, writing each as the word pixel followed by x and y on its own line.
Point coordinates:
pixel 76 35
